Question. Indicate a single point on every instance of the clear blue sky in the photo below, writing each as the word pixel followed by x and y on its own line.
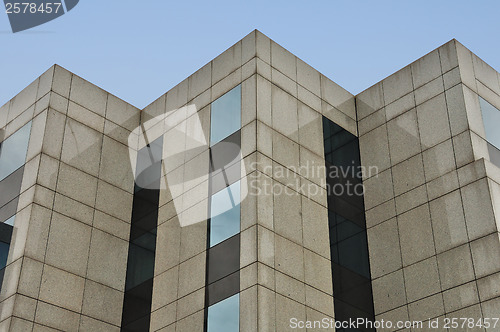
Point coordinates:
pixel 138 50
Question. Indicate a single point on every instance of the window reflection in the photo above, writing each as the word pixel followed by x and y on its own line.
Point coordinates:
pixel 353 254
pixel 224 316
pixel 491 119
pixel 148 169
pixel 225 115
pixel 9 189
pixel 225 214
pixel 223 260
pixel 141 261
pixel 348 244
pixel 10 221
pixel 141 253
pixel 5 237
pixel 13 151
pixel 225 162
pixel 4 253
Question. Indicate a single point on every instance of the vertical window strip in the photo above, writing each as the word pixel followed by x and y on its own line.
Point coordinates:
pixel 223 227
pixel 13 151
pixel 491 120
pixel 5 238
pixel 352 291
pixel 141 256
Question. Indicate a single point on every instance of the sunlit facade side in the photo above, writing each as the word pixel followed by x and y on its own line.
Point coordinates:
pixel 256 195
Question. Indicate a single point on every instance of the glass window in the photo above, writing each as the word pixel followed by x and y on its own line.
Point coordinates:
pixel 491 119
pixel 11 186
pixel 4 253
pixel 141 253
pixel 5 237
pixel 10 221
pixel 225 115
pixel 353 254
pixel 137 307
pixel 345 228
pixel 223 259
pixel 225 158
pixel 13 151
pixel 8 210
pixel 224 316
pixel 346 219
pixel 140 265
pixel 223 288
pixel 225 214
pixel 225 153
pixel 148 169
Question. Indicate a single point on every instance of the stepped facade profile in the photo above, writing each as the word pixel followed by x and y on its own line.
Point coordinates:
pixel 256 195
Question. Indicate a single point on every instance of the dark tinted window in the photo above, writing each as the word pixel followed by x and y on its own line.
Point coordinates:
pixel 5 237
pixel 223 259
pixel 223 288
pixel 352 290
pixel 142 247
pixel 11 186
pixel 225 161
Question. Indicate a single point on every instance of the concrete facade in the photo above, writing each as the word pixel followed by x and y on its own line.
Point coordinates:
pixel 432 213
pixel 432 208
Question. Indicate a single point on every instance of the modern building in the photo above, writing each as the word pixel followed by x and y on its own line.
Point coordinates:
pixel 256 195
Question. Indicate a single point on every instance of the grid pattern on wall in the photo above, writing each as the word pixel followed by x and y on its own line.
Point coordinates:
pixel 430 207
pixel 72 221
